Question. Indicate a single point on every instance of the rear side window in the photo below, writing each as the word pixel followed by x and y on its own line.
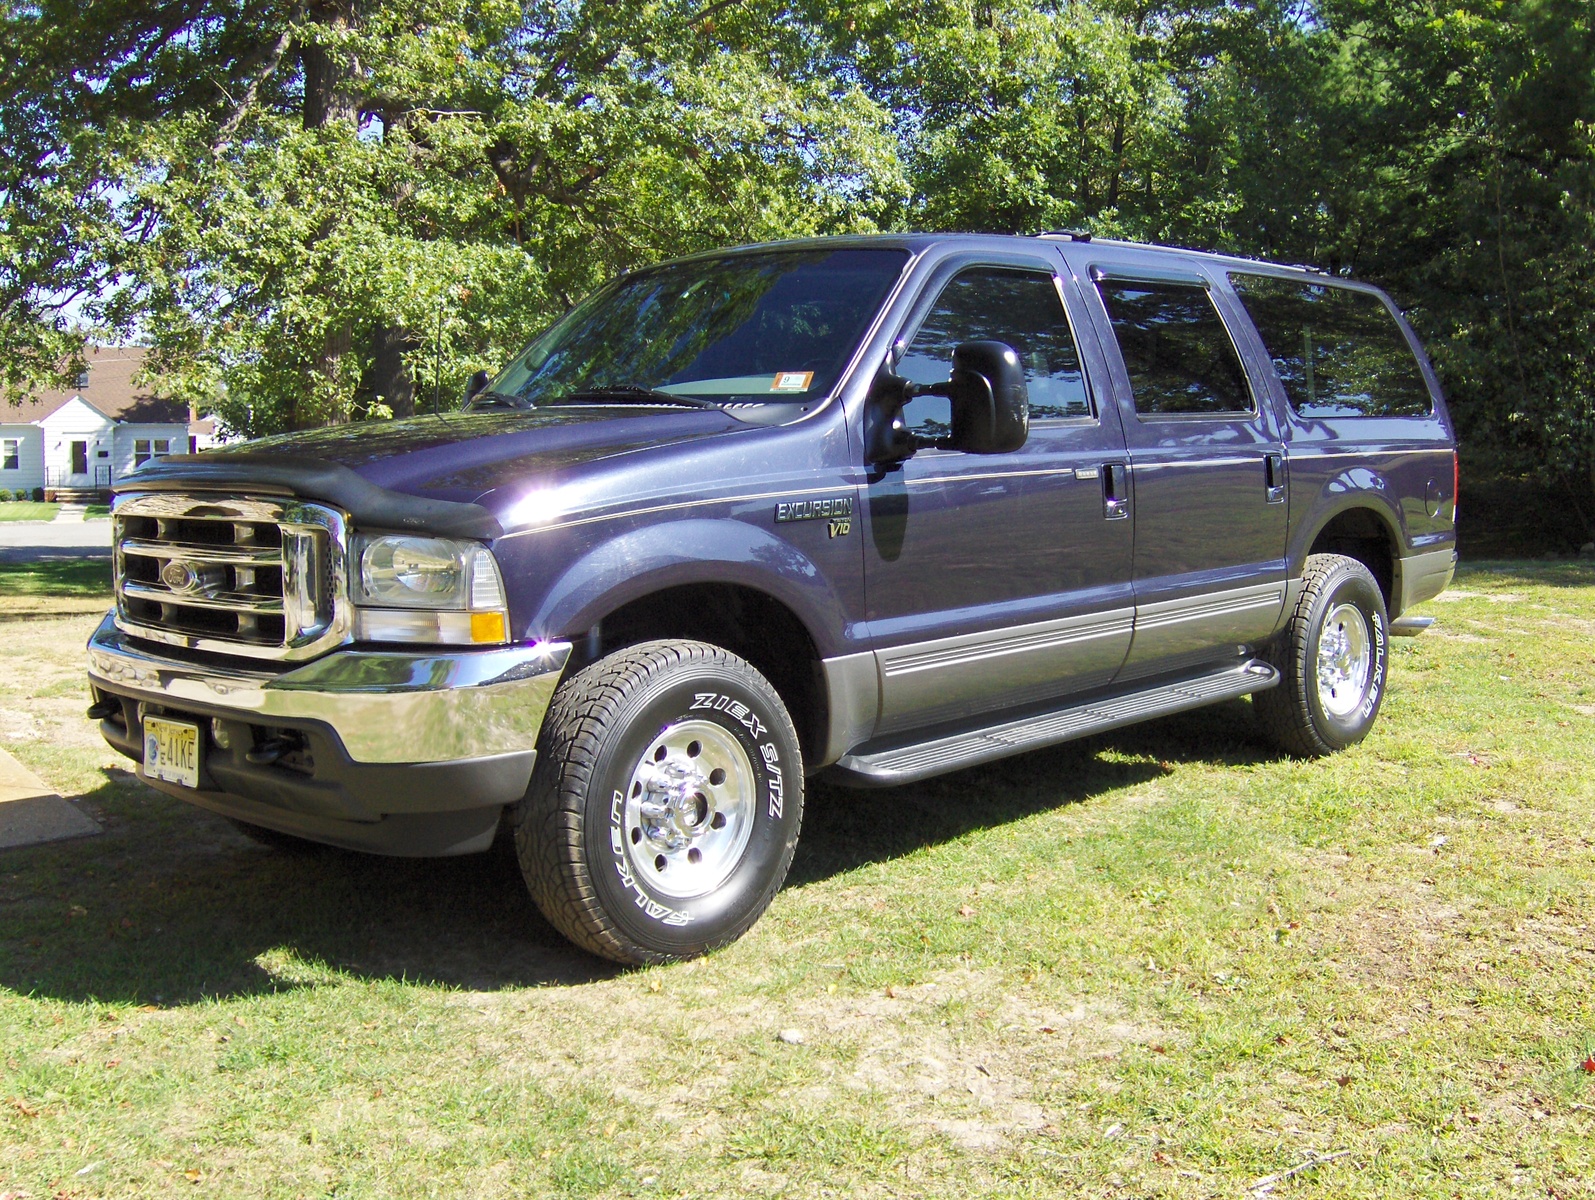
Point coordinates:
pixel 1020 308
pixel 1179 355
pixel 1339 352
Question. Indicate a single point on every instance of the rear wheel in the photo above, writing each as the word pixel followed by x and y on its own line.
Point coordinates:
pixel 1332 658
pixel 665 805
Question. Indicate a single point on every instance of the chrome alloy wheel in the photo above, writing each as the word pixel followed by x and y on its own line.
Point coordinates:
pixel 689 809
pixel 1345 660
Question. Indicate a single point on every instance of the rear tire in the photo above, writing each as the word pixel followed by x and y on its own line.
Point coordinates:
pixel 1332 657
pixel 665 804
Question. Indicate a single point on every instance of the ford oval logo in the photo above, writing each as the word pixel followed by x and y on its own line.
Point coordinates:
pixel 180 576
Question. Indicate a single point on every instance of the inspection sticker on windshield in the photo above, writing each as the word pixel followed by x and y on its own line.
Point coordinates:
pixel 792 381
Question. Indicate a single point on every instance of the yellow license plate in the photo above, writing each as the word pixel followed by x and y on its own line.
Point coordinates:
pixel 171 751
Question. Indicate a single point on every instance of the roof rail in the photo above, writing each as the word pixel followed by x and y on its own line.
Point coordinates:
pixel 1074 235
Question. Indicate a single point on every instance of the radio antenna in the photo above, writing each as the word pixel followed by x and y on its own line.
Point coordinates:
pixel 437 362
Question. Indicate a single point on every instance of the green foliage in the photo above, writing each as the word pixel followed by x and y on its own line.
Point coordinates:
pixel 361 189
pixel 308 208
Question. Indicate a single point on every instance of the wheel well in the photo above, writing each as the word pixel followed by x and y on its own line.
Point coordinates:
pixel 1359 533
pixel 745 621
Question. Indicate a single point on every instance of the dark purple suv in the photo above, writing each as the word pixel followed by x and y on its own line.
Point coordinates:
pixel 890 506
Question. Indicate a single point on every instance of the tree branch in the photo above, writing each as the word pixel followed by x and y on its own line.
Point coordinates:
pixel 273 60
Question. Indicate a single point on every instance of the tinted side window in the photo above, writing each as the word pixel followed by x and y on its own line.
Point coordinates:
pixel 1338 352
pixel 1176 349
pixel 1020 308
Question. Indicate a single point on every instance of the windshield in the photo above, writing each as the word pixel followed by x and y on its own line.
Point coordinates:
pixel 746 328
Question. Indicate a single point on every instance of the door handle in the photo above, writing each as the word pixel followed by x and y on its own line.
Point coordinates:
pixel 1274 477
pixel 1115 491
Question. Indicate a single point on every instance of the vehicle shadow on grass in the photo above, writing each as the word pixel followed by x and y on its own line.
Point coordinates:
pixel 848 827
pixel 173 905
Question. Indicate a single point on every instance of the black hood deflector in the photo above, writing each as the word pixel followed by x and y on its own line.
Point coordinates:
pixel 369 506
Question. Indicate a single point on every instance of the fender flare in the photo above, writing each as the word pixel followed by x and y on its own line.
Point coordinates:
pixel 641 561
pixel 1352 489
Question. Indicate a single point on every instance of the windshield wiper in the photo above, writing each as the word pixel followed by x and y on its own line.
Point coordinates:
pixel 485 400
pixel 631 393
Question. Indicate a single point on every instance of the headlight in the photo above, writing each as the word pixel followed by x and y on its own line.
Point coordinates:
pixel 423 589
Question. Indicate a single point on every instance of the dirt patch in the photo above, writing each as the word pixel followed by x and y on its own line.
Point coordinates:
pixel 952 1056
pixel 1455 635
pixel 975 1083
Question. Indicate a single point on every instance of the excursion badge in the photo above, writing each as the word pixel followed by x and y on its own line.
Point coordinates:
pixel 838 510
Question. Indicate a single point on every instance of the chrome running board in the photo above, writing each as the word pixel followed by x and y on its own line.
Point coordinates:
pixel 906 763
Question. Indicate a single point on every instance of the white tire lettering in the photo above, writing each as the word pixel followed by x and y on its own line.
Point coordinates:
pixel 617 844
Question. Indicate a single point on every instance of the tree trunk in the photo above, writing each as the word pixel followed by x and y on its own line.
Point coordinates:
pixel 328 96
pixel 1118 161
pixel 390 378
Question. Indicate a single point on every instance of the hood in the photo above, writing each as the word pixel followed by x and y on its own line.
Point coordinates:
pixel 462 456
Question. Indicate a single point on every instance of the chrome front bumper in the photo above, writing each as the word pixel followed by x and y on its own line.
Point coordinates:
pixel 384 706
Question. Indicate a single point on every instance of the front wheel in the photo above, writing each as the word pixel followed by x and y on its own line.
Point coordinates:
pixel 665 804
pixel 1332 656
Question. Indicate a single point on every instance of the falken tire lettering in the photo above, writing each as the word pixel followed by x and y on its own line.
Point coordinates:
pixel 715 702
pixel 772 764
pixel 617 844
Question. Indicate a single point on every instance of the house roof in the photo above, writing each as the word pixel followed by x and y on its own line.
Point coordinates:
pixel 110 392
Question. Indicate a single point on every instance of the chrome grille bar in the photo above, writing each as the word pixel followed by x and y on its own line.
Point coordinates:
pixel 232 575
pixel 243 555
pixel 221 602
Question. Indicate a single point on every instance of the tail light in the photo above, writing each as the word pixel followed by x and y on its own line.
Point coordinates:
pixel 1456 484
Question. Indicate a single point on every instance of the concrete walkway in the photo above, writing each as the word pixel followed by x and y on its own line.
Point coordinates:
pixel 31 813
pixel 34 541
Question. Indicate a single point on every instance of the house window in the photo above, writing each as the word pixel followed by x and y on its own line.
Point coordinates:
pixel 145 449
pixel 83 380
pixel 10 454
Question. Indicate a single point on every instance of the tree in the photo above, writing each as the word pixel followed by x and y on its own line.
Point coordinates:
pixel 335 208
pixel 303 205
pixel 1471 193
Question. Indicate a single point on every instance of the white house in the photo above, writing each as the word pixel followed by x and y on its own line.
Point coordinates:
pixel 88 437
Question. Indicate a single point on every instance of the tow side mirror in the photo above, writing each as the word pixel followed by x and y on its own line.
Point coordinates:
pixel 988 397
pixel 476 383
pixel 990 402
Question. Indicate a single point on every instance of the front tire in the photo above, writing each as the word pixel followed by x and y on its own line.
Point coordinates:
pixel 665 804
pixel 1332 657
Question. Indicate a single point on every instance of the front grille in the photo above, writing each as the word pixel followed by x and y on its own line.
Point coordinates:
pixel 237 575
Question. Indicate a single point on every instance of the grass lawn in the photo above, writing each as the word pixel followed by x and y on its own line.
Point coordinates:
pixel 27 510
pixel 1159 963
pixel 96 510
pixel 55 588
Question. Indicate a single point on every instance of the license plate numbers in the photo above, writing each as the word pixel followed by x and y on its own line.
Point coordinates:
pixel 171 751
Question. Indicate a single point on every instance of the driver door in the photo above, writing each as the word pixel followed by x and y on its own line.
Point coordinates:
pixel 996 580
